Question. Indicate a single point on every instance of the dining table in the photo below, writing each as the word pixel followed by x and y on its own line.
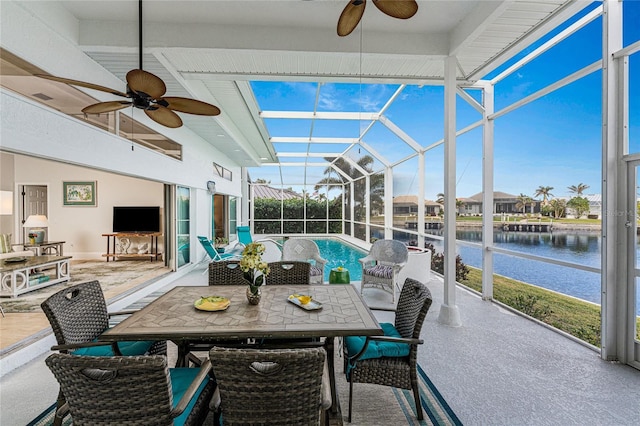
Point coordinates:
pixel 335 311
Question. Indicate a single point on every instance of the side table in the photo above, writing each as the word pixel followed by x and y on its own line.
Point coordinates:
pixel 339 276
pixel 46 247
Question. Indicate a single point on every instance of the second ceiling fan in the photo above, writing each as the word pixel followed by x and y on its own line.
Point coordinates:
pixel 145 91
pixel 352 13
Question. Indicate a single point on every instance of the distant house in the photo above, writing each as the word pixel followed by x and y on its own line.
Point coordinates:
pixel 408 205
pixel 502 203
pixel 595 206
pixel 265 191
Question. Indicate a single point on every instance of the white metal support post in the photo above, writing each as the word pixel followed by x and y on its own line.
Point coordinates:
pixel 421 183
pixel 244 203
pixel 449 313
pixel 388 203
pixel 367 207
pixel 487 192
pixel 352 202
pixel 614 254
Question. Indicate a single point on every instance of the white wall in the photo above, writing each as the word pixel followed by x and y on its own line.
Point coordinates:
pixel 6 184
pixel 82 227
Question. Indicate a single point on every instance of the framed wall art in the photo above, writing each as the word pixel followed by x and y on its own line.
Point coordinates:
pixel 79 193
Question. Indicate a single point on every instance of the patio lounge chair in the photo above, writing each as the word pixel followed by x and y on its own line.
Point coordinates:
pixel 390 360
pixel 132 390
pixel 214 254
pixel 273 249
pixel 307 251
pixel 380 268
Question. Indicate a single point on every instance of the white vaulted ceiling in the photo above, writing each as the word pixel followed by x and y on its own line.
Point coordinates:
pixel 211 49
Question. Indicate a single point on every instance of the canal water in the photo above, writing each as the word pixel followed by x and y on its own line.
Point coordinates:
pixel 581 247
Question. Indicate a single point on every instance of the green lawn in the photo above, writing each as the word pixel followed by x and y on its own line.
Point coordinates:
pixel 543 219
pixel 576 317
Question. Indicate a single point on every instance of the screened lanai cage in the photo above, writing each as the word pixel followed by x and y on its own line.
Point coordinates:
pixel 368 158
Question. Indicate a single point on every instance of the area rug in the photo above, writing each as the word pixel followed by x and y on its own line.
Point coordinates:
pixel 373 405
pixel 114 277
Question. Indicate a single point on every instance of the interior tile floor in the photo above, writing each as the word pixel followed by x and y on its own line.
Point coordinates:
pixel 496 369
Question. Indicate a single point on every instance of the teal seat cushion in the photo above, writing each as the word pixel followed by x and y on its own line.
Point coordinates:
pixel 181 378
pixel 126 348
pixel 377 349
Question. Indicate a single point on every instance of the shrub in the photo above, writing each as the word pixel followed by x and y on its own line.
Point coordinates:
pixel 437 263
pixel 527 304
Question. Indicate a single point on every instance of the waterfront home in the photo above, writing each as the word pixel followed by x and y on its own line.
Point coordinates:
pixel 493 60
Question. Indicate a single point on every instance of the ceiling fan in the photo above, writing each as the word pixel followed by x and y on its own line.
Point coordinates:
pixel 145 91
pixel 352 13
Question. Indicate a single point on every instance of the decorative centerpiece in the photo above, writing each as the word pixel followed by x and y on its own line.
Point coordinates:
pixel 254 269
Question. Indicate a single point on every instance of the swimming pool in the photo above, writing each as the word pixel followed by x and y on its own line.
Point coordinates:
pixel 340 253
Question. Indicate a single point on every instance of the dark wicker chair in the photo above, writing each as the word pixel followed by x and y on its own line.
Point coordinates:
pixel 289 272
pixel 270 386
pixel 78 315
pixel 138 390
pixel 226 272
pixel 391 370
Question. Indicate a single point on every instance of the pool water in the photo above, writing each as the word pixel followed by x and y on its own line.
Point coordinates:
pixel 339 253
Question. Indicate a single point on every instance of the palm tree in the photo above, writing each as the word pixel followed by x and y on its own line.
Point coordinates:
pixel 440 198
pixel 545 192
pixel 578 189
pixel 336 180
pixel 559 207
pixel 523 202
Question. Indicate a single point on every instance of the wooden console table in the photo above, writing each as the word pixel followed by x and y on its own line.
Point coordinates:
pixel 32 273
pixel 153 245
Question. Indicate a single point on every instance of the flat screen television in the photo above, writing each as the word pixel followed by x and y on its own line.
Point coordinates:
pixel 136 219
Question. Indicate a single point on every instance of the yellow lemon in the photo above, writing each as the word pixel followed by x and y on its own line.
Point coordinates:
pixel 304 299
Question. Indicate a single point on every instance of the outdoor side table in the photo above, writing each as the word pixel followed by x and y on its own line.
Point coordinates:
pixel 339 276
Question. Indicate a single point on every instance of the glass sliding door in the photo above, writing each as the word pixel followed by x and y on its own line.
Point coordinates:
pixel 183 217
pixel 233 218
pixel 225 218
pixel 633 286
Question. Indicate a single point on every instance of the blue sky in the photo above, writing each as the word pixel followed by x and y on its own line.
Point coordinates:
pixel 554 141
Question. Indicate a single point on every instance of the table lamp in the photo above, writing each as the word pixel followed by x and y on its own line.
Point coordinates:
pixel 36 222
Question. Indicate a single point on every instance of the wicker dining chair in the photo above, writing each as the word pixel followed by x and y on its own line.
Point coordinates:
pixel 226 272
pixel 138 390
pixel 305 250
pixel 78 315
pixel 270 386
pixel 391 360
pixel 289 273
